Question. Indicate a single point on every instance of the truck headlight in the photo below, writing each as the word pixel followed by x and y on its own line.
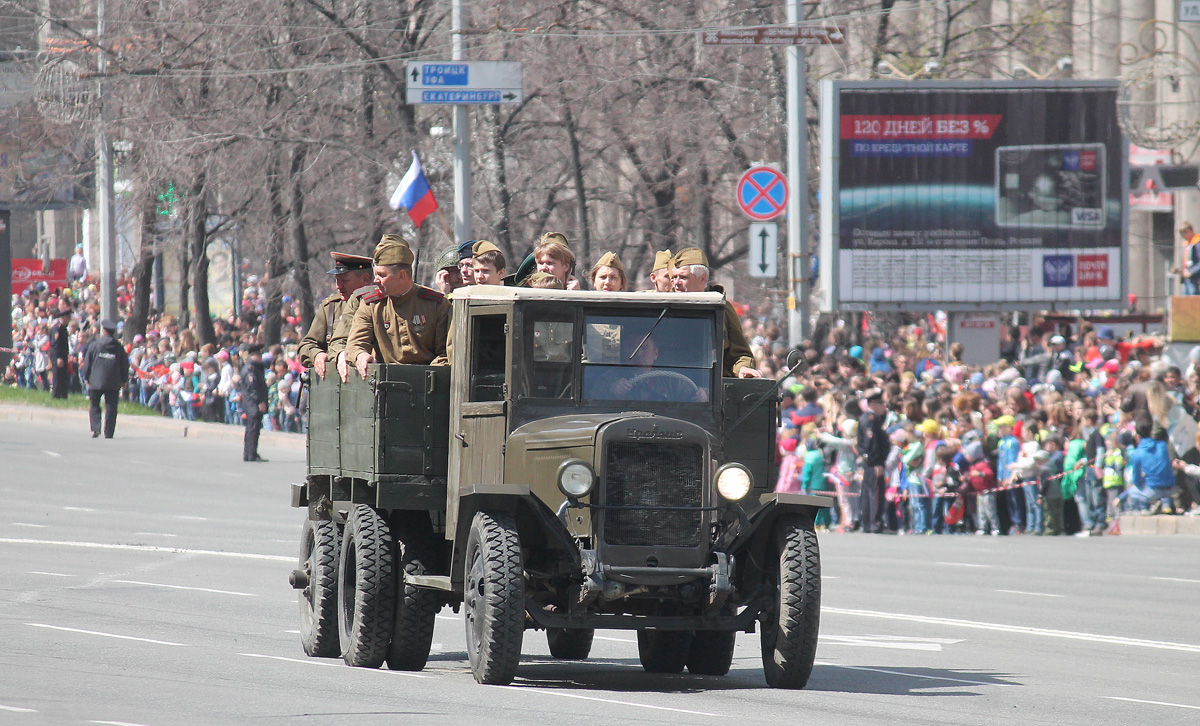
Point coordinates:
pixel 575 478
pixel 734 481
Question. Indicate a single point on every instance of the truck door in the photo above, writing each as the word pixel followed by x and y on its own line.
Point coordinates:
pixel 479 428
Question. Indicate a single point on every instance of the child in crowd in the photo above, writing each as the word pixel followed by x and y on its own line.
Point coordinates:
pixel 918 494
pixel 812 478
pixel 1051 485
pixel 982 480
pixel 1114 474
pixel 1008 448
pixel 789 465
pixel 946 482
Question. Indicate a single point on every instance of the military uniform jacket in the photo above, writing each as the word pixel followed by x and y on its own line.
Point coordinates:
pixel 106 364
pixel 253 385
pixel 737 349
pixel 321 331
pixel 409 328
pixel 341 329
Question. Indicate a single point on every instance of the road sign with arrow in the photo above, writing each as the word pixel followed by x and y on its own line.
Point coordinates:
pixel 465 82
pixel 764 249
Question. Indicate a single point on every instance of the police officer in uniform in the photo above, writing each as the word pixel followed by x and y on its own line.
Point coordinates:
pixel 106 366
pixel 690 273
pixel 411 324
pixel 61 349
pixel 254 400
pixel 350 272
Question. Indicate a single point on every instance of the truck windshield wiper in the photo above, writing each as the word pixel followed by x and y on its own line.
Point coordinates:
pixel 648 333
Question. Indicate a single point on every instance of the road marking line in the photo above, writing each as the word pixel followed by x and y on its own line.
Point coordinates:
pixel 615 640
pixel 28 524
pixel 960 564
pixel 609 700
pixel 337 664
pixel 106 635
pixel 181 587
pixel 147 548
pixel 293 632
pixel 915 675
pixel 117 723
pixel 55 454
pixel 1176 579
pixel 455 618
pixel 14 709
pixel 1153 703
pixel 191 517
pixel 1022 629
pixel 79 509
pixel 154 534
pixel 49 574
pixel 1036 594
pixel 889 641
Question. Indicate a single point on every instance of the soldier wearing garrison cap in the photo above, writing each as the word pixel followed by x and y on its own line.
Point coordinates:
pixel 660 274
pixel 350 272
pixel 488 264
pixel 690 273
pixel 410 324
pixel 608 275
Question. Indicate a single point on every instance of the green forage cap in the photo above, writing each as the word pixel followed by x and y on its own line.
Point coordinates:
pixel 690 256
pixel 393 250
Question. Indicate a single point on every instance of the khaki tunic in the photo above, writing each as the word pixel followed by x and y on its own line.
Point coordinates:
pixel 321 331
pixel 737 349
pixel 341 328
pixel 409 328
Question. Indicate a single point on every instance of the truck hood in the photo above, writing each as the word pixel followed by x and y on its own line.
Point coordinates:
pixel 568 431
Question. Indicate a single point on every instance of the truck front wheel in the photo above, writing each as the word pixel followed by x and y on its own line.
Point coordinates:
pixel 494 598
pixel 789 631
pixel 318 600
pixel 367 594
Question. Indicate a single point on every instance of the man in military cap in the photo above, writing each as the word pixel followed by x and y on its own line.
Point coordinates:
pixel 466 262
pixel 447 277
pixel 410 324
pixel 689 273
pixel 351 272
pixel 488 263
pixel 660 274
pixel 106 369
pixel 253 388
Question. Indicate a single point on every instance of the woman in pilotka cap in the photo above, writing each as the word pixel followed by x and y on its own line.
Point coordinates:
pixel 608 275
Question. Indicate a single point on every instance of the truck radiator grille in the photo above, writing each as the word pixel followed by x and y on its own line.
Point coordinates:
pixel 653 475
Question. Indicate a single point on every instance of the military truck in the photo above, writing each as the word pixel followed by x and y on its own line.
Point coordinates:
pixel 582 464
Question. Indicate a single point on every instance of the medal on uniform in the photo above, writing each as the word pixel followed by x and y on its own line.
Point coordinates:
pixel 387 325
pixel 419 319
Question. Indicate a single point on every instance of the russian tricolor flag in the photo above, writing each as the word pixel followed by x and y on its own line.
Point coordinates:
pixel 414 194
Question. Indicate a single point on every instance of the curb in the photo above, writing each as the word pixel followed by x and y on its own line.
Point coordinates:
pixel 1159 524
pixel 162 426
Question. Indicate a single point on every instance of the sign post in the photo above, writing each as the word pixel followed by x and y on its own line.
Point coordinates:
pixel 764 249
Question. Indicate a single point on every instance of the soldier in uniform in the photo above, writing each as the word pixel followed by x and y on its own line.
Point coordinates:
pixel 253 387
pixel 608 275
pixel 447 277
pixel 410 324
pixel 350 272
pixel 690 274
pixel 553 255
pixel 660 275
pixel 106 367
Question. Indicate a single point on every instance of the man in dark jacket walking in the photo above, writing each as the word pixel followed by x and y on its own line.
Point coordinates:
pixel 873 446
pixel 254 400
pixel 106 367
pixel 61 350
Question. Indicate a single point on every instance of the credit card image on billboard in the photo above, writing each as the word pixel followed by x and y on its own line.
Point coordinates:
pixel 1057 186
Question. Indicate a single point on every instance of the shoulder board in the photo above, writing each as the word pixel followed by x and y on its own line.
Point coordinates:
pixel 369 294
pixel 335 297
pixel 429 294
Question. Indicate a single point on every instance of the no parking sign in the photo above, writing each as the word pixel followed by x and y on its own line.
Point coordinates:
pixel 762 193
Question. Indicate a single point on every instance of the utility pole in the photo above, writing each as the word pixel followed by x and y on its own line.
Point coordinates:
pixel 462 138
pixel 106 194
pixel 798 261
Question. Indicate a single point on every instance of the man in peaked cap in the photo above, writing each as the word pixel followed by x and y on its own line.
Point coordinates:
pixel 660 274
pixel 351 272
pixel 689 273
pixel 466 262
pixel 409 324
pixel 106 368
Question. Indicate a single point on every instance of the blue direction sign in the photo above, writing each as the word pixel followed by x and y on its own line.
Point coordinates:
pixel 762 193
pixel 464 82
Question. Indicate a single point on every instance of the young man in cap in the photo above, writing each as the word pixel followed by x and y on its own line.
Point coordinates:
pixel 106 367
pixel 660 274
pixel 447 278
pixel 409 324
pixel 553 255
pixel 689 273
pixel 488 265
pixel 350 272
pixel 253 387
pixel 466 262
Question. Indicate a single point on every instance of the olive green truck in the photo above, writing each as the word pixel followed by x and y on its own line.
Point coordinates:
pixel 582 464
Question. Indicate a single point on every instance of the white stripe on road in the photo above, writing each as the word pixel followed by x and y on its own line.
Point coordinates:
pixel 1022 629
pixel 615 640
pixel 28 524
pixel 49 574
pixel 960 564
pixel 181 587
pixel 55 454
pixel 79 509
pixel 1176 579
pixel 1035 594
pixel 153 534
pixel 334 664
pixel 914 675
pixel 105 635
pixel 609 700
pixel 1153 703
pixel 14 709
pixel 191 517
pixel 147 548
pixel 117 723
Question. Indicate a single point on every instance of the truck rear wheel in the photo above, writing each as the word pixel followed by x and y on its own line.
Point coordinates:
pixel 570 643
pixel 664 651
pixel 367 584
pixel 711 653
pixel 318 600
pixel 789 633
pixel 416 608
pixel 494 598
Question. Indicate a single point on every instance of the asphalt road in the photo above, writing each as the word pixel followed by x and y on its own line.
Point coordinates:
pixel 143 580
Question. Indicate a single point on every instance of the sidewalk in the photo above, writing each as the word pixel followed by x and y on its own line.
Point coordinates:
pixel 158 425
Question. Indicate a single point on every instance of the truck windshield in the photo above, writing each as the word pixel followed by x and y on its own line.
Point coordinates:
pixel 645 358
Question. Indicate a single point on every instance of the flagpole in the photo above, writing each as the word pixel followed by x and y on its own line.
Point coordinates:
pixel 446 226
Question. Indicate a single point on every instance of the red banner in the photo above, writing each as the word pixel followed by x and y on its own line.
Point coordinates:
pixel 26 272
pixel 934 126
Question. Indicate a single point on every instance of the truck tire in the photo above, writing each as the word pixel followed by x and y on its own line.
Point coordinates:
pixel 570 643
pixel 789 633
pixel 664 651
pixel 711 653
pixel 494 598
pixel 367 597
pixel 319 545
pixel 416 608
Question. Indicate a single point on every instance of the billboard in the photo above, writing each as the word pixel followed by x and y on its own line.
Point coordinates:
pixel 28 271
pixel 964 196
